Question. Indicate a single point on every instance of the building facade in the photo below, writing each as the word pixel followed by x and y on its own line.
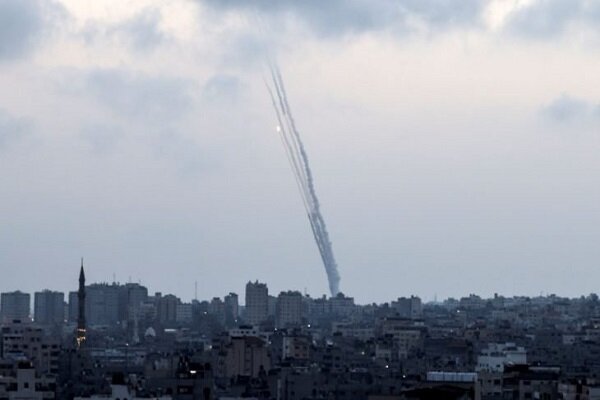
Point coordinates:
pixel 257 302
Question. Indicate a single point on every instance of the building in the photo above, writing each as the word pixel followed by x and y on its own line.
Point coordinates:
pixel 49 307
pixel 408 307
pixel 101 304
pixel 131 297
pixel 246 356
pixel 184 313
pixel 257 302
pixel 15 306
pixel 24 383
pixel 497 356
pixel 166 308
pixel 26 341
pixel 290 309
pixel 216 307
pixel 296 347
pixel 341 305
pixel 231 308
pixel 72 307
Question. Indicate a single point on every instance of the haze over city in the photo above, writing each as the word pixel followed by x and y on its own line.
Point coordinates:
pixel 454 145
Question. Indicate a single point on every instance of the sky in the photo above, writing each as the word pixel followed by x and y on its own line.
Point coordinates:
pixel 454 145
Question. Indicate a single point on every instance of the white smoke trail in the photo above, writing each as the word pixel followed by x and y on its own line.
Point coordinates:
pixel 292 158
pixel 303 174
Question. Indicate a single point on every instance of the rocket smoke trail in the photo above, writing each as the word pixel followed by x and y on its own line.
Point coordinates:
pixel 298 159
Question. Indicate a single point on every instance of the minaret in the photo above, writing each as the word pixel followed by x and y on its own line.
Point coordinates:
pixel 80 338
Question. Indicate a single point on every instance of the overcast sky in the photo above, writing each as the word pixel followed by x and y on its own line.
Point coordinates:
pixel 455 145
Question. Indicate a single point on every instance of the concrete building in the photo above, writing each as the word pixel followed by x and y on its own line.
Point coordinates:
pixel 408 307
pixel 290 309
pixel 49 307
pixel 296 347
pixel 24 384
pixel 166 308
pixel 246 356
pixel 26 341
pixel 497 356
pixel 361 332
pixel 216 307
pixel 102 304
pixel 131 297
pixel 183 313
pixel 15 306
pixel 341 305
pixel 72 307
pixel 231 308
pixel 257 302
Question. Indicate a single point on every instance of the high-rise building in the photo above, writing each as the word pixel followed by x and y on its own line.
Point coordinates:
pixel 231 309
pixel 49 307
pixel 15 306
pixel 341 305
pixel 290 309
pixel 257 302
pixel 408 307
pixel 102 304
pixel 131 297
pixel 166 308
pixel 184 313
pixel 72 307
pixel 217 309
pixel 18 340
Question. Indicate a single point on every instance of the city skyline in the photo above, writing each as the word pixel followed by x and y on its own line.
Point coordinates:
pixel 453 144
pixel 72 294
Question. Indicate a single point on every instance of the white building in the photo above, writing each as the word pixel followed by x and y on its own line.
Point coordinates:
pixel 497 355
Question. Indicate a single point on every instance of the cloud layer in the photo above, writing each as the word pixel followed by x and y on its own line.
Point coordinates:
pixel 340 17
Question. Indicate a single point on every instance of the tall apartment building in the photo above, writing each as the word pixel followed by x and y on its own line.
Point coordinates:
pixel 49 307
pixel 166 308
pixel 341 305
pixel 28 341
pixel 408 307
pixel 257 302
pixel 131 297
pixel 290 309
pixel 231 308
pixel 107 304
pixel 14 306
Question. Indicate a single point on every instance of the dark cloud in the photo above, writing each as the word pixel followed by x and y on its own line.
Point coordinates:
pixel 23 23
pixel 569 109
pixel 339 17
pixel 12 129
pixel 138 96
